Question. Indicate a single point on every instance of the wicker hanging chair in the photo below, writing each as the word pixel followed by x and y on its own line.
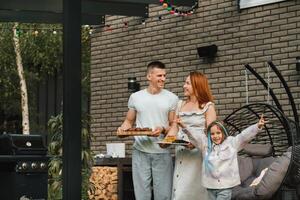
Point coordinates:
pixel 280 132
pixel 277 132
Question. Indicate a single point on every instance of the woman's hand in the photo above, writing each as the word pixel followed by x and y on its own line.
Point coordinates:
pixel 169 136
pixel 164 145
pixel 157 131
pixel 190 146
pixel 179 122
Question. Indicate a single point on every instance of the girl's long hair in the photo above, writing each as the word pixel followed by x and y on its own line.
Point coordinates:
pixel 201 88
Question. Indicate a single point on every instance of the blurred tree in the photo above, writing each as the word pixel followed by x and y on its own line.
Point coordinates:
pixel 42 56
pixel 23 85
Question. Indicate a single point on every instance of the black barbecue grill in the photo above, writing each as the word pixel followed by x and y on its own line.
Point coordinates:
pixel 23 167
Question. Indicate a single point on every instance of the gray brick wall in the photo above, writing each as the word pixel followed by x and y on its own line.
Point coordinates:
pixel 252 36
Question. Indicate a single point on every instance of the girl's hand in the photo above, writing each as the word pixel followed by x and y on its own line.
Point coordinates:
pixel 179 122
pixel 261 122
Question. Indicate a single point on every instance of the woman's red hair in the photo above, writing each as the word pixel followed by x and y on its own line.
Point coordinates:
pixel 201 88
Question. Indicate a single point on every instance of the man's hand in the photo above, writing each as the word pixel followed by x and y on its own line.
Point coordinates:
pixel 119 132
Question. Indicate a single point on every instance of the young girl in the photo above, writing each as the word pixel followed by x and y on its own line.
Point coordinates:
pixel 220 170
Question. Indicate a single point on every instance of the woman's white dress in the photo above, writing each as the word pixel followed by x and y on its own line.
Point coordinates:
pixel 187 183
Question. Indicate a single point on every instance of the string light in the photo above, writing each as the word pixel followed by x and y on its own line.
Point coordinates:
pixel 90 31
pixel 40 30
pixel 108 27
pixel 167 5
pixel 36 32
pixel 126 24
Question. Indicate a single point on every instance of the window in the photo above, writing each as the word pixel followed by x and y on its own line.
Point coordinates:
pixel 253 3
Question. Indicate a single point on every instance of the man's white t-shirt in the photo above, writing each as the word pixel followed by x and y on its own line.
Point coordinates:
pixel 152 110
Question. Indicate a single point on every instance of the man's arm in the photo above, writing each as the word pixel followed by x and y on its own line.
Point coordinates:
pixel 129 120
pixel 164 130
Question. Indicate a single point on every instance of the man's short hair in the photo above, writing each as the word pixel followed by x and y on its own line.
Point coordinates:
pixel 155 64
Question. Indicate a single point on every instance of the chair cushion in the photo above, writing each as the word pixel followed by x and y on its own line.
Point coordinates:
pixel 271 181
pixel 250 168
pixel 257 180
pixel 243 193
pixel 261 150
pixel 261 163
pixel 245 168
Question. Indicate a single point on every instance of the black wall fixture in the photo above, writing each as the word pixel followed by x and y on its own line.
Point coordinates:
pixel 298 63
pixel 209 51
pixel 133 85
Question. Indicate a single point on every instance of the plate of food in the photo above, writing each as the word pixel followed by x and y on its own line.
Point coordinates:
pixel 135 132
pixel 173 141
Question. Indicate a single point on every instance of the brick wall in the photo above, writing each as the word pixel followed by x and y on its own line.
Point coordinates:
pixel 252 36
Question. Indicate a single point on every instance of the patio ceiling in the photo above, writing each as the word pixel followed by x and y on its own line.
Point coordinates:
pixel 92 11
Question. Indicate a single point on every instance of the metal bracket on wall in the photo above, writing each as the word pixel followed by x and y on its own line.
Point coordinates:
pixel 238 5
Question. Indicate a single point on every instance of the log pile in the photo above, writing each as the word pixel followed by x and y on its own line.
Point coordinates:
pixel 105 183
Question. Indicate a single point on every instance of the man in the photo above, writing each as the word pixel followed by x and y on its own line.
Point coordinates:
pixel 153 107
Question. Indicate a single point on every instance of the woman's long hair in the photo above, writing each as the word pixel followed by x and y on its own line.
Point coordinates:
pixel 201 88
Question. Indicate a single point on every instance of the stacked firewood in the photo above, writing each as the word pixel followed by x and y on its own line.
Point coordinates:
pixel 105 183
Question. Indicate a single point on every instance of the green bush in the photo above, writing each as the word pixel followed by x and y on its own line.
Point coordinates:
pixel 55 151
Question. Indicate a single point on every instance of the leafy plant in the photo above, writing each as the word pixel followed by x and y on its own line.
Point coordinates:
pixel 42 55
pixel 55 151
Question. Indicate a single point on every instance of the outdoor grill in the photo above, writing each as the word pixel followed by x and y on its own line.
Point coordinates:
pixel 23 167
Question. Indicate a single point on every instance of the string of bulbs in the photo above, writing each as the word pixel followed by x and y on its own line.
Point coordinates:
pixel 173 10
pixel 167 5
pixel 38 30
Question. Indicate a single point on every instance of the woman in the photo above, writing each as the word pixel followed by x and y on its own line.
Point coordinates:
pixel 197 111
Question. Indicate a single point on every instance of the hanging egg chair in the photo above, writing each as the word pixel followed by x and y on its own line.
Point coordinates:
pixel 280 133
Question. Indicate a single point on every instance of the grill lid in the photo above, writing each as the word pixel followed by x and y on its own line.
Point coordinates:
pixel 18 144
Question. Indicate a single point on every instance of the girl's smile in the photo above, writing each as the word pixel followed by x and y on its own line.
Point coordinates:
pixel 217 136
